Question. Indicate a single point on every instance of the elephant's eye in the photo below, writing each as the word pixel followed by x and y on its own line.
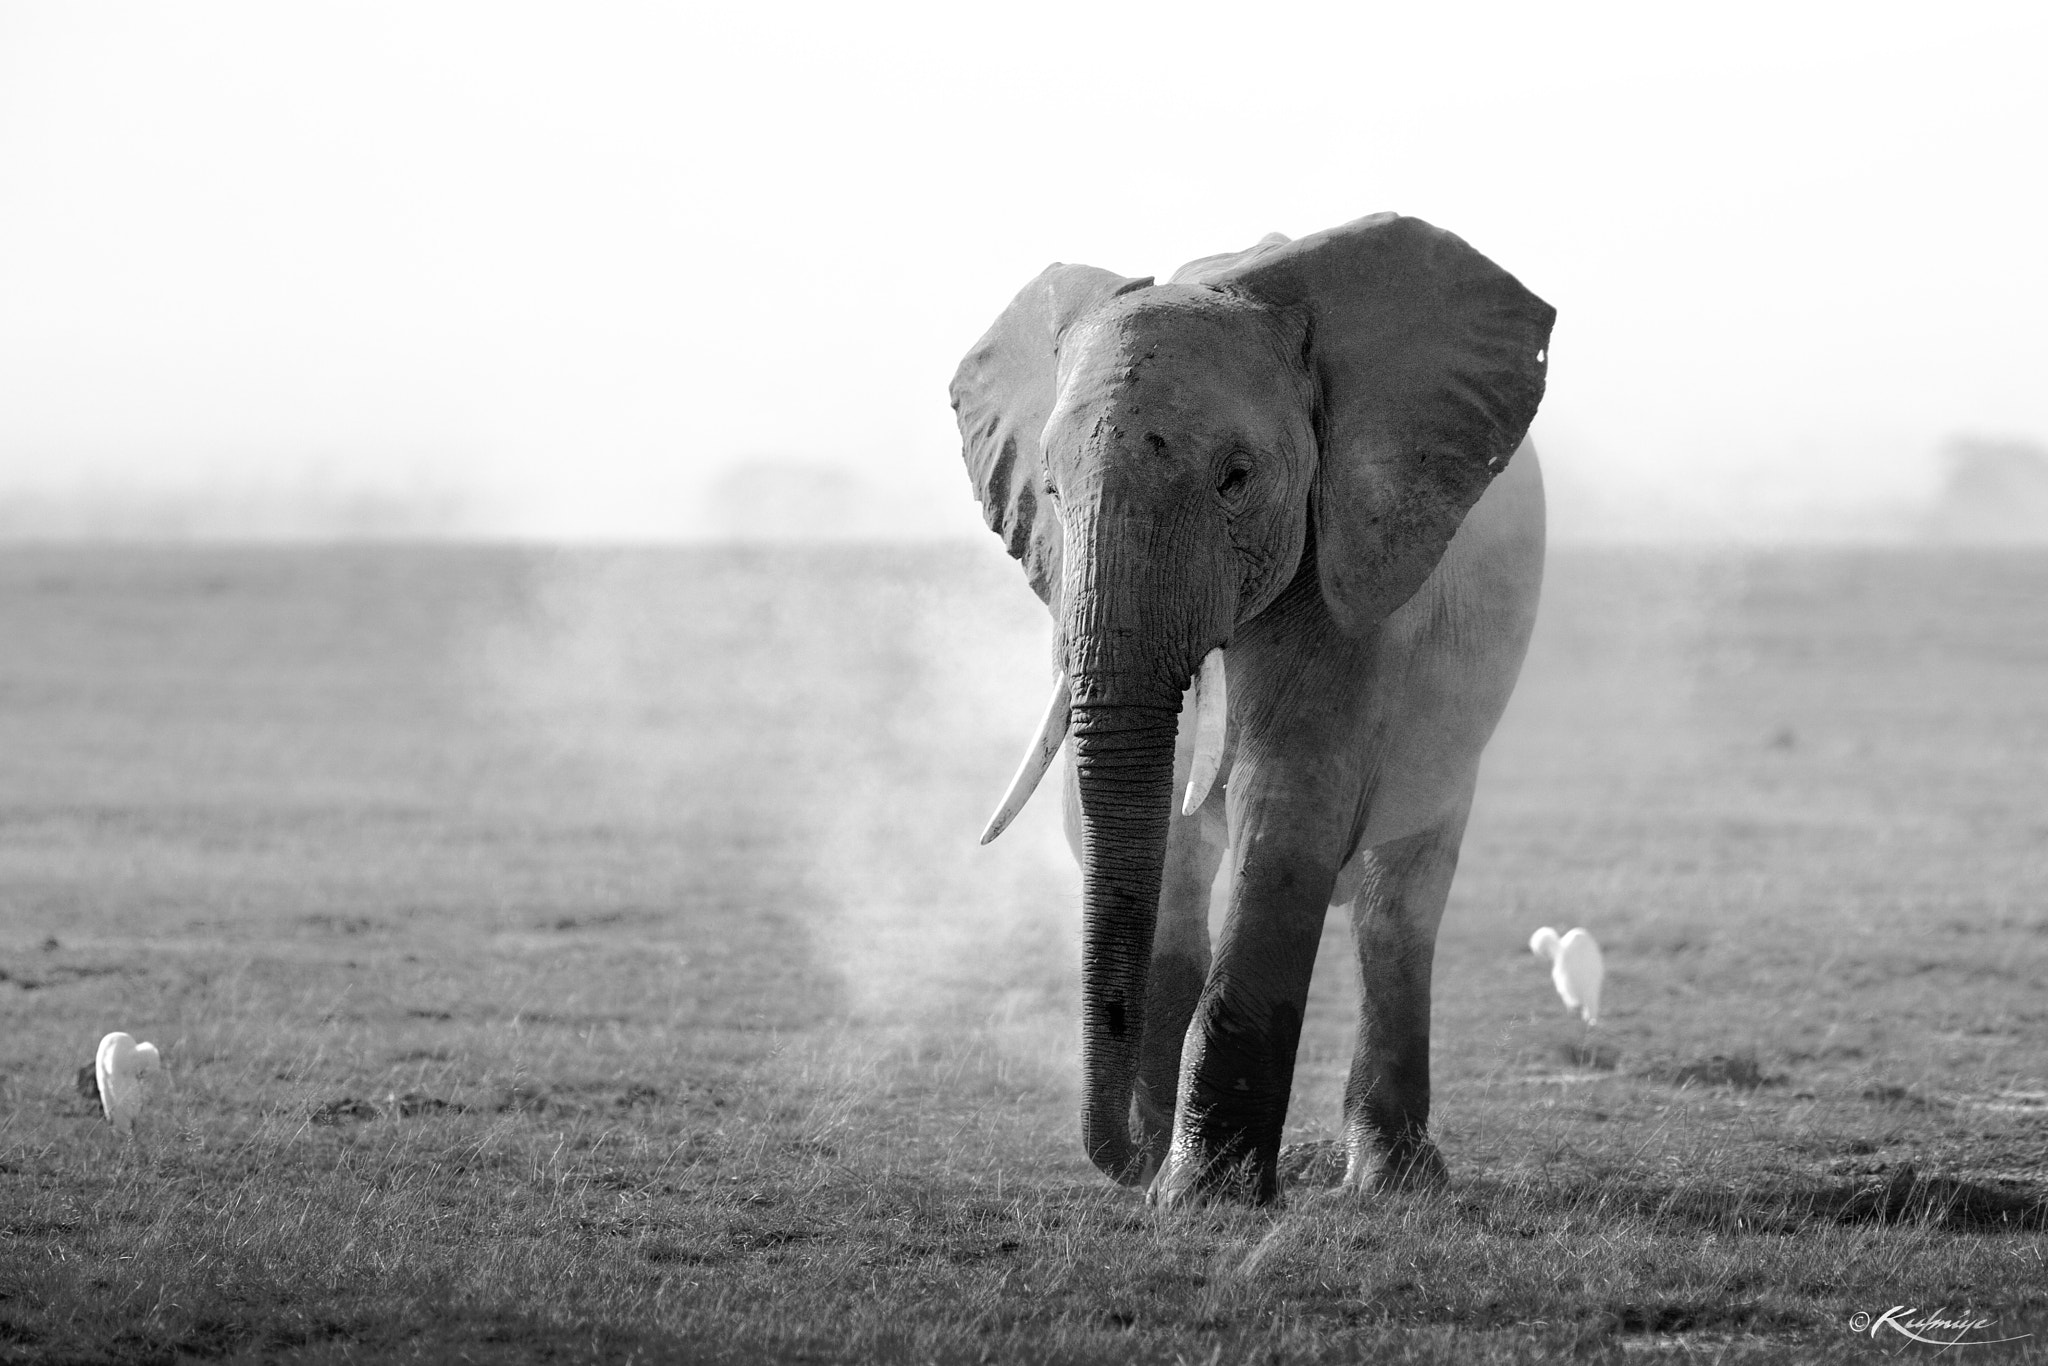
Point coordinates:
pixel 1237 473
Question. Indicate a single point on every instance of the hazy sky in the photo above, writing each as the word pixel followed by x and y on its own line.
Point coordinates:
pixel 570 262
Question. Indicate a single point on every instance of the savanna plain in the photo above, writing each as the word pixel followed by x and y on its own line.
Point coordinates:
pixel 586 956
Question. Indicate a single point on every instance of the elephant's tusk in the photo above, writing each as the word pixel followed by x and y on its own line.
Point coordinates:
pixel 1052 733
pixel 1212 717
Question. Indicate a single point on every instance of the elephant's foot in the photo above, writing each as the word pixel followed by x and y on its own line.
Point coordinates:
pixel 1413 1164
pixel 1192 1180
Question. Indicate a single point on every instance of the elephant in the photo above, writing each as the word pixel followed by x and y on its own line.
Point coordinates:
pixel 1286 492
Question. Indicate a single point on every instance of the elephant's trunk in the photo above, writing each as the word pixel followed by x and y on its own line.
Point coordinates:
pixel 1133 632
pixel 1123 765
pixel 1129 642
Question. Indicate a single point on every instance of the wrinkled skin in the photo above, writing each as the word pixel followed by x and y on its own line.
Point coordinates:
pixel 1300 454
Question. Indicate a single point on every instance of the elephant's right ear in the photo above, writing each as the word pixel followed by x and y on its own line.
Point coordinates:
pixel 1003 393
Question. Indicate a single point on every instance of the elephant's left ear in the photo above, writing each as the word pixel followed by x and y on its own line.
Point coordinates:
pixel 1429 362
pixel 1002 395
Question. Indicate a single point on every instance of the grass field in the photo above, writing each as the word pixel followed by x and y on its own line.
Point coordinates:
pixel 584 956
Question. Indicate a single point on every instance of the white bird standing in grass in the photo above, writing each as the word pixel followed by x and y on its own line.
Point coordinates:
pixel 119 1068
pixel 1575 968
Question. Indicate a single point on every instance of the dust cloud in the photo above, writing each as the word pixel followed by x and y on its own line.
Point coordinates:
pixel 828 726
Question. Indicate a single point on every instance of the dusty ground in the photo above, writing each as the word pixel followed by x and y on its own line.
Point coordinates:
pixel 583 957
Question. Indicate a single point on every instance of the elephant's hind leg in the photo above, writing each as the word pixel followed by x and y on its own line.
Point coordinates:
pixel 1402 887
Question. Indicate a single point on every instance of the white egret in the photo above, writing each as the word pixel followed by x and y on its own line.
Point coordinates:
pixel 1575 968
pixel 119 1068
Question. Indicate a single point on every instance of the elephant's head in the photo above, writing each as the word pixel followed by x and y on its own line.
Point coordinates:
pixel 1166 459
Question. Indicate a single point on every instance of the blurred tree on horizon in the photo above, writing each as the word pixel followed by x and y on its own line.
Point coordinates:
pixel 1992 490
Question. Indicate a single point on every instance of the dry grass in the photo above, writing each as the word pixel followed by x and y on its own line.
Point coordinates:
pixel 587 958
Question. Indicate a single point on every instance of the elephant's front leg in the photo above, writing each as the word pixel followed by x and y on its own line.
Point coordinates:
pixel 1402 887
pixel 1180 942
pixel 1238 1064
